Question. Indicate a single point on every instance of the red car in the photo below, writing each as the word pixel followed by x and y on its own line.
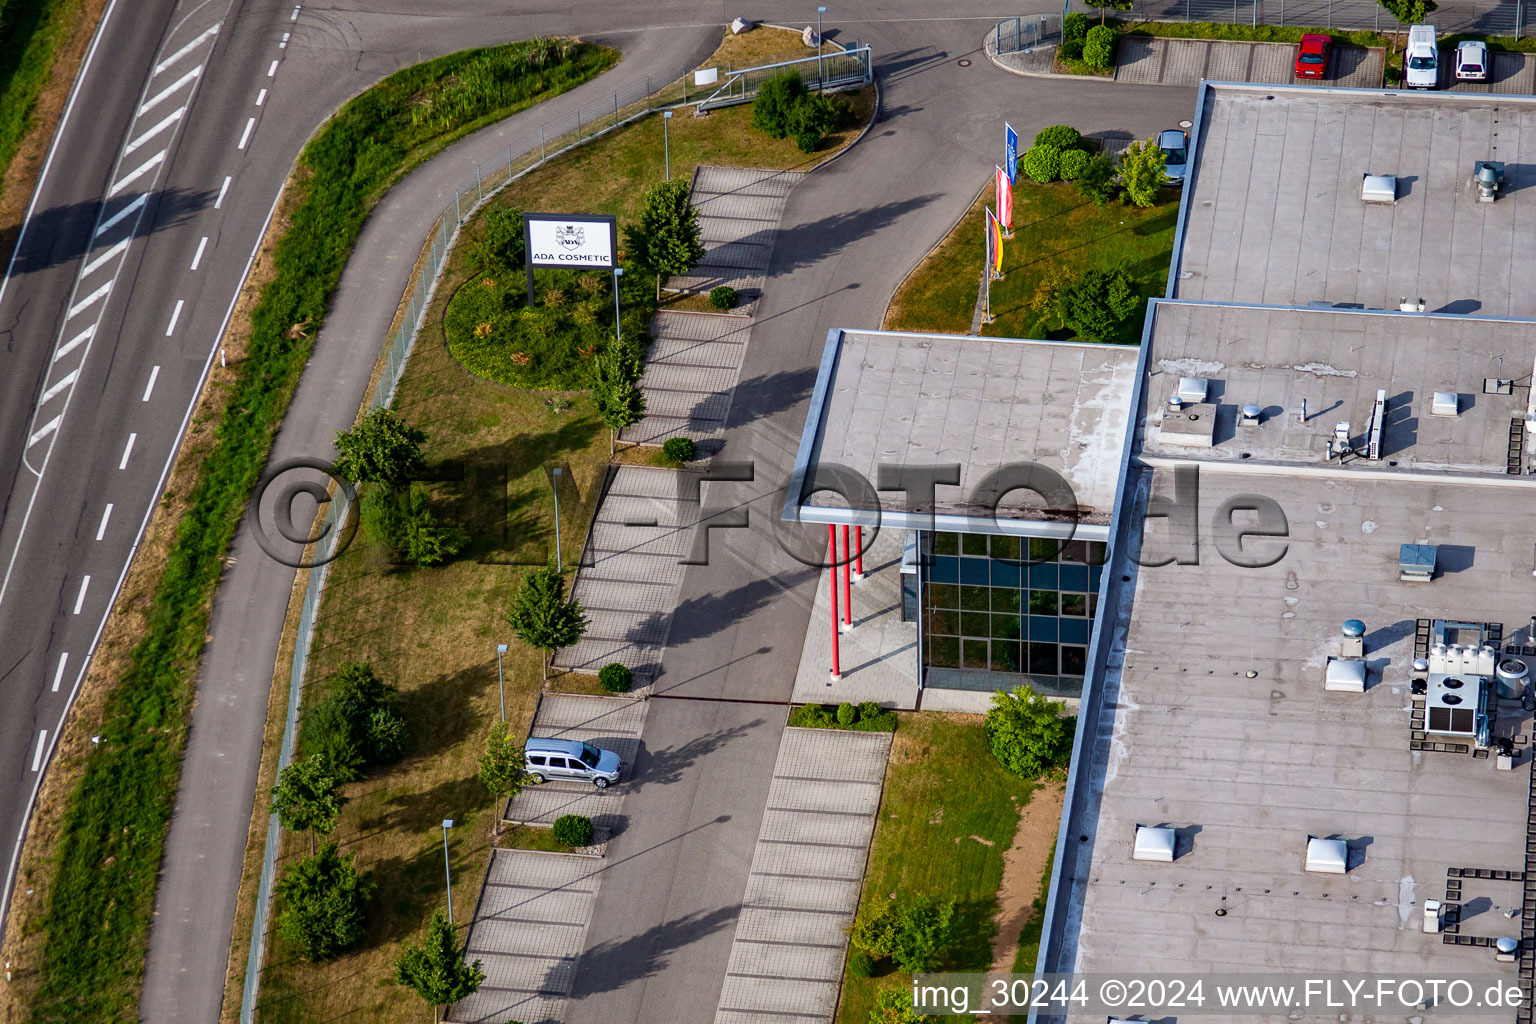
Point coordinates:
pixel 1312 56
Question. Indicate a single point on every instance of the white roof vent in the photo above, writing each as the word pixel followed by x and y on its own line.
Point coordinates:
pixel 1192 390
pixel 1379 188
pixel 1327 856
pixel 1345 675
pixel 1154 843
pixel 1445 403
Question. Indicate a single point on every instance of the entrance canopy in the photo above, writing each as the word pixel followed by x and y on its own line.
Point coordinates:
pixel 999 422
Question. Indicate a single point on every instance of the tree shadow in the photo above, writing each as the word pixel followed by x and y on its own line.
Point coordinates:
pixel 64 233
pixel 614 964
pixel 762 396
pixel 699 618
pixel 664 767
pixel 805 245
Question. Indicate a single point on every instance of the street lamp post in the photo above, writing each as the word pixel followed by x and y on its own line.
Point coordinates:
pixel 448 871
pixel 618 272
pixel 666 149
pixel 500 685
pixel 820 79
pixel 554 481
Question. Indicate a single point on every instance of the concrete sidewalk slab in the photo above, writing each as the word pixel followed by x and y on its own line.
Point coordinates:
pixel 692 369
pixel 739 210
pixel 802 891
pixel 1144 60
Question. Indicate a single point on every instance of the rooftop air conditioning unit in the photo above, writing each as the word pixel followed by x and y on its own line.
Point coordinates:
pixel 1378 188
pixel 1251 416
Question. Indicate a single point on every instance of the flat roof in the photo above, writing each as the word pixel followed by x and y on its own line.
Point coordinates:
pixel 890 399
pixel 1335 362
pixel 1273 210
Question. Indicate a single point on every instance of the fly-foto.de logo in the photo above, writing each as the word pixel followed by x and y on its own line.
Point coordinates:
pixel 570 236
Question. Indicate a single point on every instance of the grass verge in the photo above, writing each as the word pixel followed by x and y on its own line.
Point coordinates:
pixel 1247 33
pixel 948 815
pixel 1053 226
pixel 94 929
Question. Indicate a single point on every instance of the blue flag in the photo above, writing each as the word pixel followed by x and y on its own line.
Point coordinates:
pixel 1011 152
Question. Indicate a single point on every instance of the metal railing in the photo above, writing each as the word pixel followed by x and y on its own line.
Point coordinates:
pixel 1484 17
pixel 1026 33
pixel 827 71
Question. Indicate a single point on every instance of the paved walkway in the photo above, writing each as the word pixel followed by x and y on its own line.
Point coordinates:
pixel 739 210
pixel 692 368
pixel 611 723
pixel 630 570
pixel 529 928
pixel 802 893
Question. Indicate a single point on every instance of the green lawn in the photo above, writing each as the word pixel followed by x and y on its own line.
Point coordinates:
pixel 31 32
pixel 1053 226
pixel 942 788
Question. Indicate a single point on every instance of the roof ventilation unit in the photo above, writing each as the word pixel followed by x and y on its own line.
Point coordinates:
pixel 1378 427
pixel 1378 188
pixel 1327 856
pixel 1155 843
pixel 1192 390
pixel 1488 176
pixel 1250 416
pixel 1407 305
pixel 1416 563
pixel 1513 675
pixel 1445 403
pixel 1339 445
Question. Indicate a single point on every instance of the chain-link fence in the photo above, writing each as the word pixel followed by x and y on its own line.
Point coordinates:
pixel 1026 33
pixel 1485 17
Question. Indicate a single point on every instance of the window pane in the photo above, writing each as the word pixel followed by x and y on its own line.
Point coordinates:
pixel 1075 551
pixel 1074 660
pixel 973 544
pixel 1043 627
pixel 1042 659
pixel 1042 577
pixel 973 654
pixel 943 595
pixel 975 599
pixel 1005 627
pixel 1073 631
pixel 943 622
pixel 1093 605
pixel 1074 604
pixel 944 651
pixel 1005 657
pixel 1005 574
pixel 1097 549
pixel 1074 577
pixel 975 623
pixel 1042 549
pixel 945 570
pixel 946 543
pixel 975 571
pixel 1005 547
pixel 1043 602
pixel 1005 600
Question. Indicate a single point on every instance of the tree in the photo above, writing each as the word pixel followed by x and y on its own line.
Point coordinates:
pixel 620 402
pixel 1141 172
pixel 1099 47
pixel 1105 6
pixel 541 617
pixel 1028 734
pixel 502 770
pixel 1097 302
pixel 1096 181
pixel 667 239
pixel 356 723
pixel 1409 12
pixel 435 970
pixel 306 800
pixel 774 105
pixel 323 905
pixel 381 448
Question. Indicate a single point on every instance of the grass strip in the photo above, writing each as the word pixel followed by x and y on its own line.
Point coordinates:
pixel 96 925
pixel 31 33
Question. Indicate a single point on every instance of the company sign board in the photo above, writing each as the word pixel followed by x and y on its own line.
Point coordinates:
pixel 570 240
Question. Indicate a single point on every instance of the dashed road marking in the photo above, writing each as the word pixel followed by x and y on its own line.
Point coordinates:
pixel 245 136
pixel 198 257
pixel 170 328
pixel 136 174
pixel 271 71
pixel 295 15
pixel 170 90
pixel 58 675
pixel 284 44
pixel 106 513
pixel 127 450
pixel 261 97
pixel 165 123
pixel 37 755
pixel 173 58
pixel 222 189
pixel 85 584
pixel 149 388
pixel 95 264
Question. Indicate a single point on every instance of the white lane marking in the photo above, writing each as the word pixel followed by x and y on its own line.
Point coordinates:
pixel 106 514
pixel 284 44
pixel 295 15
pixel 85 583
pixel 165 123
pixel 58 676
pixel 95 264
pixel 88 300
pixel 261 97
pixel 46 429
pixel 37 755
pixel 64 382
pixel 245 136
pixel 170 328
pixel 170 90
pixel 136 174
pixel 113 221
pixel 272 70
pixel 173 58
pixel 75 342
pixel 149 388
pixel 222 189
pixel 127 450
pixel 198 258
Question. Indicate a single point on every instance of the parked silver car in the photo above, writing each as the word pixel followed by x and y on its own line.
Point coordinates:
pixel 550 760
pixel 1471 61
pixel 1175 146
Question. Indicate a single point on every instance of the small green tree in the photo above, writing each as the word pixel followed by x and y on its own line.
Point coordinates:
pixel 1099 47
pixel 619 400
pixel 502 770
pixel 1074 26
pixel 1041 163
pixel 356 723
pixel 426 540
pixel 1028 734
pixel 1097 302
pixel 914 933
pixel 381 448
pixel 1096 181
pixel 1105 6
pixel 499 248
pixel 306 800
pixel 667 240
pixel 435 970
pixel 1142 172
pixel 774 105
pixel 1409 12
pixel 322 904
pixel 541 617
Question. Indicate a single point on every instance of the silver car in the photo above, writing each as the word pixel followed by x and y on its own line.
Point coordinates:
pixel 1175 146
pixel 571 760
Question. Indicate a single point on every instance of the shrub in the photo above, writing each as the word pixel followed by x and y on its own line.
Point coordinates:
pixel 1041 163
pixel 894 1006
pixel 499 248
pixel 861 964
pixel 356 724
pixel 381 448
pixel 870 710
pixel 807 141
pixel 1099 47
pixel 1073 162
pixel 615 678
pixel 322 902
pixel 1074 26
pixel 1028 734
pixel 1096 181
pixel 403 522
pixel 573 830
pixel 1062 136
pixel 810 716
pixel 1142 173
pixel 866 717
pixel 874 930
pixel 847 714
pixel 722 296
pixel 679 449
pixel 775 102
pixel 1071 49
pixel 915 933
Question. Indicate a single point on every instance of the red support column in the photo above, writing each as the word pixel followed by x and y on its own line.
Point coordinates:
pixel 847 570
pixel 858 552
pixel 832 543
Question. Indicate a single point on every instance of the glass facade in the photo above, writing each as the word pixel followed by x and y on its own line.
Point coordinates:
pixel 993 620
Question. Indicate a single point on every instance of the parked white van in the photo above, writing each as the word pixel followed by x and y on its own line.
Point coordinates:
pixel 1421 60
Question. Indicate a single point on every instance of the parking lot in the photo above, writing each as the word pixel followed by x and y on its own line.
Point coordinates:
pixel 1144 60
pixel 611 723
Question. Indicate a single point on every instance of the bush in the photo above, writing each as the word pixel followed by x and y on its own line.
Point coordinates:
pixel 774 105
pixel 573 830
pixel 1074 26
pixel 1073 163
pixel 869 710
pixel 1062 136
pixel 1099 47
pixel 402 521
pixel 1096 181
pixel 615 678
pixel 1028 734
pixel 807 141
pixel 722 297
pixel 915 933
pixel 499 248
pixel 679 449
pixel 1142 172
pixel 356 724
pixel 1041 163
pixel 894 1006
pixel 1071 49
pixel 380 448
pixel 847 714
pixel 861 964
pixel 811 716
pixel 321 905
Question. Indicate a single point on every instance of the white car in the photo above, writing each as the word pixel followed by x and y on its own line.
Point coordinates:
pixel 1471 61
pixel 1421 65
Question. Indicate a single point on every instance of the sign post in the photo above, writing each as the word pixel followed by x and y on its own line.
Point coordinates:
pixel 572 241
pixel 1011 152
